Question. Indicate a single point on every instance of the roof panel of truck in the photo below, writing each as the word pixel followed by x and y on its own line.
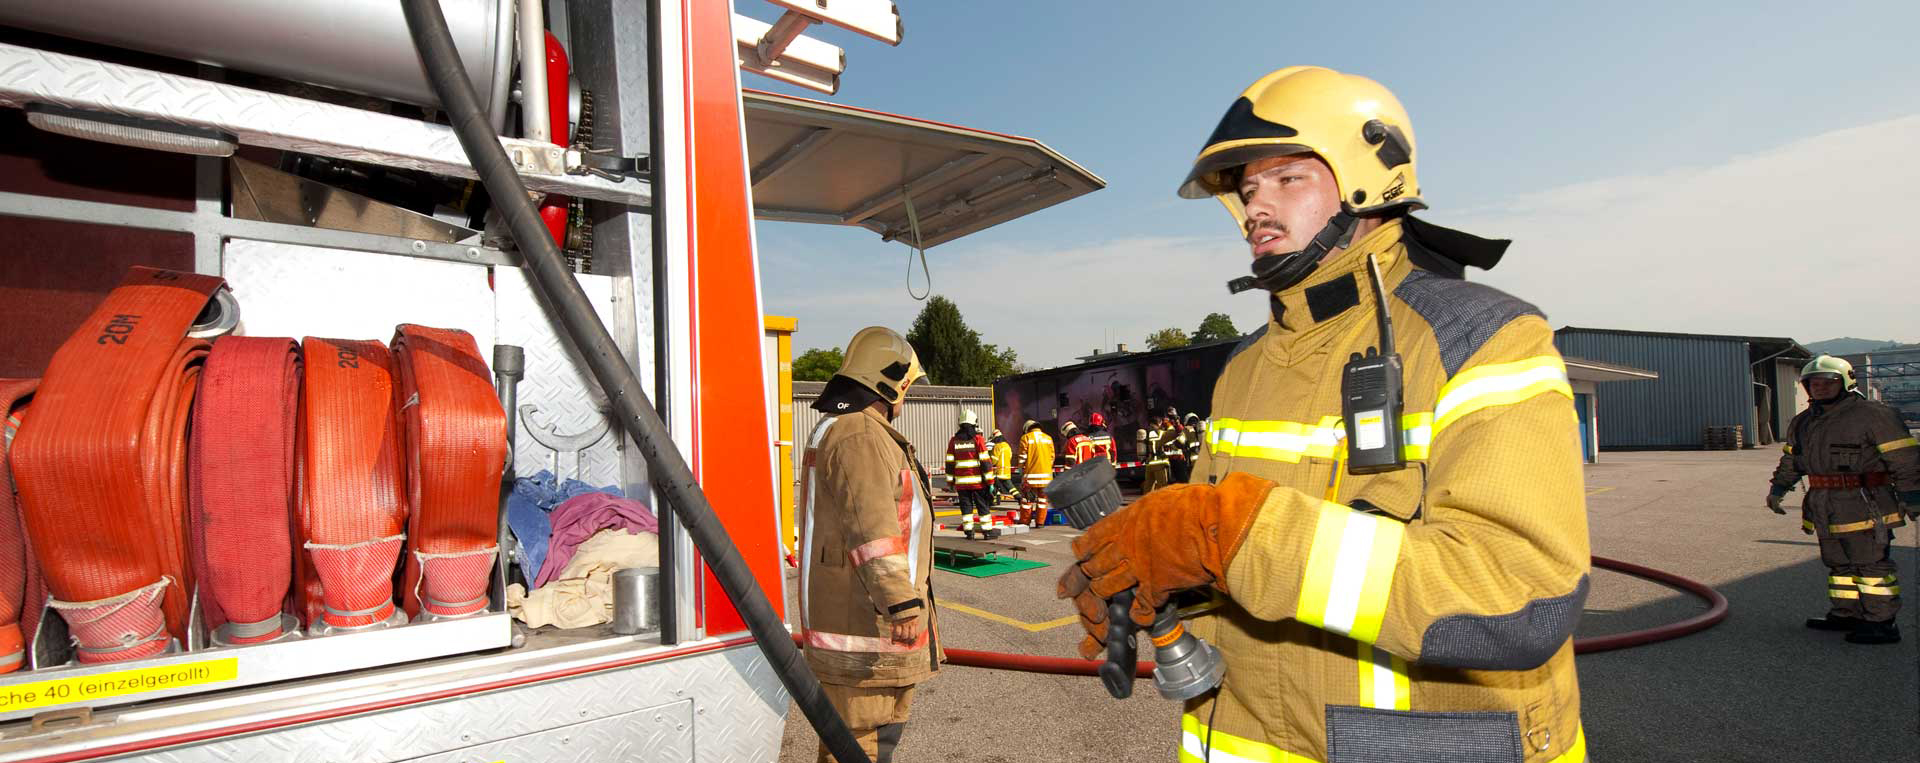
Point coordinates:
pixel 818 162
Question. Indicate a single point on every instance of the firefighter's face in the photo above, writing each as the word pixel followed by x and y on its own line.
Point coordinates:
pixel 1288 200
pixel 1823 387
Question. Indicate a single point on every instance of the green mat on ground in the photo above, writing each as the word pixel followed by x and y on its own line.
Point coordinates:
pixel 983 567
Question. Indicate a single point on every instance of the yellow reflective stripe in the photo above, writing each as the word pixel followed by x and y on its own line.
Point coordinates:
pixel 1349 572
pixel 1863 525
pixel 1289 441
pixel 1499 384
pixel 1875 590
pixel 1197 746
pixel 1788 449
pixel 1806 524
pixel 1904 442
pixel 1419 435
pixel 1845 580
pixel 973 480
pixel 1576 753
pixel 969 463
pixel 1383 680
pixel 1843 594
pixel 1874 581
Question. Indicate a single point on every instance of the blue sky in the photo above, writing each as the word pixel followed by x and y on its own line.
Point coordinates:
pixel 1668 168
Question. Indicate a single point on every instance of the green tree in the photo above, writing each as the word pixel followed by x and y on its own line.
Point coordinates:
pixel 1167 339
pixel 950 352
pixel 817 364
pixel 1214 327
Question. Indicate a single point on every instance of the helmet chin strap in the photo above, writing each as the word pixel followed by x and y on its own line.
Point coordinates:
pixel 1276 272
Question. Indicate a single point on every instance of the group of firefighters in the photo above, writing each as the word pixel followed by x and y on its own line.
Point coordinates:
pixel 982 470
pixel 1396 580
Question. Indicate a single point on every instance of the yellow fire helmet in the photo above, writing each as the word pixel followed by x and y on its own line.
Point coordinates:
pixel 1353 123
pixel 882 360
pixel 1828 365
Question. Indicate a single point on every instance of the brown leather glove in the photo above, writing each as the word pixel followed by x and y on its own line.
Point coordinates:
pixel 1171 540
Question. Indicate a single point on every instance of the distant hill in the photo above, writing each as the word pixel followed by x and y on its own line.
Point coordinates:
pixel 1847 345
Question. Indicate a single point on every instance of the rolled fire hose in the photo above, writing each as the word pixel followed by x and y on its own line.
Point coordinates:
pixel 100 465
pixel 352 498
pixel 589 336
pixel 241 459
pixel 456 444
pixel 21 594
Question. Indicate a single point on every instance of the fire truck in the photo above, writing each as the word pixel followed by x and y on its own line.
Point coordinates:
pixel 566 191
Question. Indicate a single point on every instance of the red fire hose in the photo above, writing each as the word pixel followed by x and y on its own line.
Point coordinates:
pixel 1716 611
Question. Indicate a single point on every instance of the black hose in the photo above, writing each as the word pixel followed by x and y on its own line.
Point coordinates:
pixel 671 477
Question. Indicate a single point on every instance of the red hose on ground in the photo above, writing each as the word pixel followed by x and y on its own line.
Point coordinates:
pixel 1716 611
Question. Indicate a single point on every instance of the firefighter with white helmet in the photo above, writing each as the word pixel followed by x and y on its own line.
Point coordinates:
pixel 1863 479
pixel 1404 592
pixel 868 619
pixel 968 462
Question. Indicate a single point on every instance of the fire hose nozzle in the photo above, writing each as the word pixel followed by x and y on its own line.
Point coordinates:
pixel 1184 665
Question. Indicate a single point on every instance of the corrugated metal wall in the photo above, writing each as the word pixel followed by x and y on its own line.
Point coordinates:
pixel 1703 382
pixel 926 422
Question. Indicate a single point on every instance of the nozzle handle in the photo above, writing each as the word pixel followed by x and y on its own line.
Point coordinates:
pixel 1118 671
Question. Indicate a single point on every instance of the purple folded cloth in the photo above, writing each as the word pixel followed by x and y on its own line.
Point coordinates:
pixel 583 515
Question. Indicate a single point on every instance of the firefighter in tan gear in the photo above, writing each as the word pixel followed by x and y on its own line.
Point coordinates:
pixel 867 537
pixel 1036 456
pixel 1002 467
pixel 1863 479
pixel 1420 613
pixel 1155 470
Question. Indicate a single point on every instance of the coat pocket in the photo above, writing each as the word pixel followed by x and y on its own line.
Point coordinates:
pixel 1356 734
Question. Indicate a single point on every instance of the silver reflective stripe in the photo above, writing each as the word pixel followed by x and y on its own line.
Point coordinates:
pixel 807 487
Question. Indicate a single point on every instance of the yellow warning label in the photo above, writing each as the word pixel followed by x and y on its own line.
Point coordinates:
pixel 119 683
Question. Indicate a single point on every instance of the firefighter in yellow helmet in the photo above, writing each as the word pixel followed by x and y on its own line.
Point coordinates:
pixel 1036 453
pixel 867 614
pixel 1406 591
pixel 1863 477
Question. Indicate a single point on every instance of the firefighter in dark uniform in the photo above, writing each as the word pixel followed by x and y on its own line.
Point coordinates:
pixel 1863 480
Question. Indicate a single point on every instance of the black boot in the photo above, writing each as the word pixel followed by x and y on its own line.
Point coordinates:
pixel 1833 623
pixel 1875 633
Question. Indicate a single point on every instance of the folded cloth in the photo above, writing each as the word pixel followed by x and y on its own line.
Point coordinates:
pixel 582 595
pixel 527 508
pixel 583 515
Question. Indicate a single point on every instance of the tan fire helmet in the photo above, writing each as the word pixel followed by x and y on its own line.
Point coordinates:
pixel 882 360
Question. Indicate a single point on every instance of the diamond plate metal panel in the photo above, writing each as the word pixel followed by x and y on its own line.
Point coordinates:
pixel 561 406
pixel 661 734
pixel 738 711
pixel 28 75
pixel 293 290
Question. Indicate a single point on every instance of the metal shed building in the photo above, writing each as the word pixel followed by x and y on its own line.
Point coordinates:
pixel 1706 380
pixel 931 415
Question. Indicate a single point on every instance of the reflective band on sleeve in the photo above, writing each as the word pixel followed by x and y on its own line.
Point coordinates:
pixel 1383 680
pixel 875 549
pixel 1499 384
pixel 1349 572
pixel 1904 442
pixel 840 642
pixel 1787 449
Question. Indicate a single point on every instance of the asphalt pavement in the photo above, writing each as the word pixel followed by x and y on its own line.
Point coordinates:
pixel 1757 687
